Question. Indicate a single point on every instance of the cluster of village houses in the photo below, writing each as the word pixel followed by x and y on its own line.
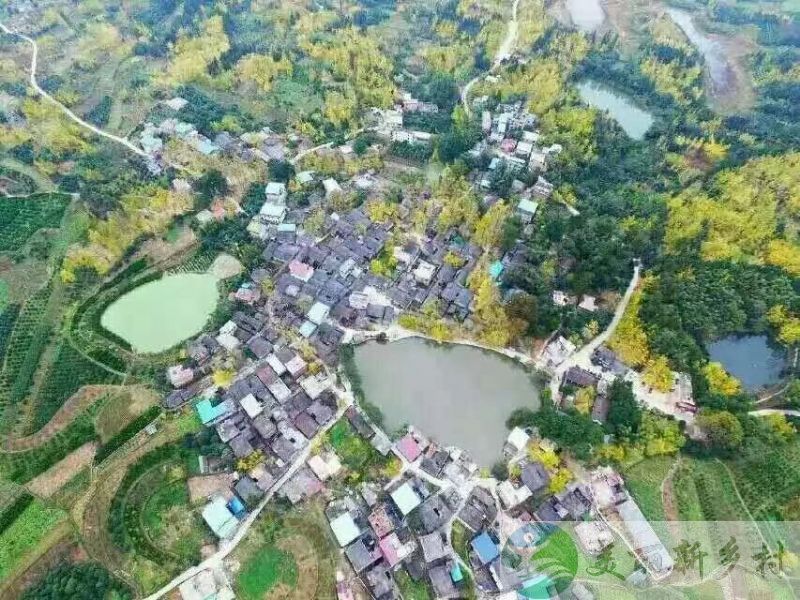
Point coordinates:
pixel 285 340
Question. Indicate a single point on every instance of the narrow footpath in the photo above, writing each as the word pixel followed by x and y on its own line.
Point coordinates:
pixel 503 52
pixel 35 85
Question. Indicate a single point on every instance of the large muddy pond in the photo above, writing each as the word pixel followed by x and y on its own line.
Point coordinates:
pixel 457 395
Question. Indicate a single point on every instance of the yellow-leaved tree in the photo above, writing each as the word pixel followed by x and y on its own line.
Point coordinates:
pixel 657 373
pixel 262 70
pixel 191 57
pixel 720 381
pixel 489 229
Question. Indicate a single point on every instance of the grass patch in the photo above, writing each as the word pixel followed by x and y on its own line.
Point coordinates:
pixel 357 454
pixel 121 408
pixel 168 519
pixel 127 433
pixel 460 537
pixel 264 570
pixel 150 516
pixel 410 589
pixel 25 533
pixel 3 294
pixel 643 481
pixel 296 539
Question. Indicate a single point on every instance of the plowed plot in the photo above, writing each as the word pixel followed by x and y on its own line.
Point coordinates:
pixel 52 480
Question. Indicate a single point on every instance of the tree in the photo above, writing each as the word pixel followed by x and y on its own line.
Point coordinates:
pixel 559 481
pixel 192 56
pixel 719 381
pixel 262 70
pixel 489 229
pixel 340 109
pixel 584 400
pixel 500 470
pixel 280 170
pixel 659 435
pixel 657 374
pixel 723 429
pixel 629 339
pixel 212 184
pixel 779 428
pixel 624 413
pixel 250 462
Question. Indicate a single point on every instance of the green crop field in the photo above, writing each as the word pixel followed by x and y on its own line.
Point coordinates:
pixel 643 480
pixel 410 589
pixel 288 550
pixel 25 533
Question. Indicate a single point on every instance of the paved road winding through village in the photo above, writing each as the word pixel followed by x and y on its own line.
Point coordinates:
pixel 35 85
pixel 582 356
pixel 215 561
pixel 505 50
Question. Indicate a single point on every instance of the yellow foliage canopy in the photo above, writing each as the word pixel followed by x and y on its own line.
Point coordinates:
pixel 740 213
pixel 51 129
pixel 657 374
pixel 489 229
pixel 720 381
pixel 148 210
pixel 629 340
pixel 356 59
pixel 101 39
pixel 192 56
pixel 788 325
pixel 262 70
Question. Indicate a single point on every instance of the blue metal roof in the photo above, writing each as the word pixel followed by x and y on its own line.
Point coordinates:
pixel 485 548
pixel 496 269
pixel 236 506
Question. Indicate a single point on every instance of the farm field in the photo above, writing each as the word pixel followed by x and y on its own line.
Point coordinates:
pixel 288 555
pixel 21 218
pixel 22 536
pixel 643 480
pixel 122 407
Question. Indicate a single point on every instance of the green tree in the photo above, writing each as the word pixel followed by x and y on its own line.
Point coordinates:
pixel 624 413
pixel 723 429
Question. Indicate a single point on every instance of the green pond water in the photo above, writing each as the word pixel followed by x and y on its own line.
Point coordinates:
pixel 458 395
pixel 160 314
pixel 633 120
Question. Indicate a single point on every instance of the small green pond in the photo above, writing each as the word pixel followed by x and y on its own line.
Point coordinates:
pixel 160 314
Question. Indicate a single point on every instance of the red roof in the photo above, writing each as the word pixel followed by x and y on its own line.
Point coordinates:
pixel 389 547
pixel 409 448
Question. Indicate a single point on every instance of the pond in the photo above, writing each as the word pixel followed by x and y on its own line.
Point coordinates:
pixel 751 359
pixel 156 316
pixel 633 120
pixel 457 395
pixel 719 68
pixel 586 15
